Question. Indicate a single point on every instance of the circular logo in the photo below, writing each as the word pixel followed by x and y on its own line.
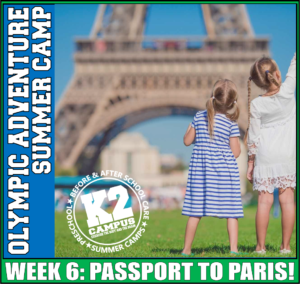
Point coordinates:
pixel 107 212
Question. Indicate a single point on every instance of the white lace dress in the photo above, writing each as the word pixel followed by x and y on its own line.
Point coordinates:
pixel 272 137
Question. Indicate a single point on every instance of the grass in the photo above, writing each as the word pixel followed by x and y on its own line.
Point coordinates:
pixel 165 234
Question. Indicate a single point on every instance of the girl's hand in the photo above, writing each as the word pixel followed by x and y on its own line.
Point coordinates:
pixel 250 172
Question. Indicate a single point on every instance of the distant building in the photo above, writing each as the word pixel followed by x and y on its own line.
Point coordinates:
pixel 131 154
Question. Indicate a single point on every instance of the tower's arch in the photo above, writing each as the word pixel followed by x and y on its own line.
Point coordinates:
pixel 90 154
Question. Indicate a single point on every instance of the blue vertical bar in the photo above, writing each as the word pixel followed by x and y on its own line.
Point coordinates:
pixel 39 197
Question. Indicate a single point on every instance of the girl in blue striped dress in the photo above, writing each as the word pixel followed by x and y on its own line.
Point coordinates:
pixel 213 187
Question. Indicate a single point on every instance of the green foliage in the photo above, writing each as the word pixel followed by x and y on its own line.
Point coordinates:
pixel 179 167
pixel 59 171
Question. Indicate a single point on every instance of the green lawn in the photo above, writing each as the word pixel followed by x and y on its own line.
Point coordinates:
pixel 165 234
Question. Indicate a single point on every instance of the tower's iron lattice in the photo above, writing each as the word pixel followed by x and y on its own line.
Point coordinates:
pixel 122 77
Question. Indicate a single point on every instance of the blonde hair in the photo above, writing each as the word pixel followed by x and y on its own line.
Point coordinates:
pixel 223 99
pixel 261 74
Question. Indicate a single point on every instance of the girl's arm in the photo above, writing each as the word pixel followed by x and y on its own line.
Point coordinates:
pixel 253 132
pixel 290 80
pixel 189 136
pixel 235 146
pixel 253 139
pixel 234 140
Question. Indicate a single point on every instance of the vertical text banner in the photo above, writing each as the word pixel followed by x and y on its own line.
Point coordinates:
pixel 28 109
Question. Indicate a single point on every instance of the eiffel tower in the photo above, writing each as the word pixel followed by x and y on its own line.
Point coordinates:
pixel 122 77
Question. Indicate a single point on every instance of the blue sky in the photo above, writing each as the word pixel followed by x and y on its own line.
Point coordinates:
pixel 278 21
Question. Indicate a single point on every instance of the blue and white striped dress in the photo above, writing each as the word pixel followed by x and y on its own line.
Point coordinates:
pixel 213 187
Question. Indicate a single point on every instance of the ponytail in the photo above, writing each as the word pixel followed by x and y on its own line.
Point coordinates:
pixel 249 103
pixel 210 116
pixel 235 115
pixel 271 79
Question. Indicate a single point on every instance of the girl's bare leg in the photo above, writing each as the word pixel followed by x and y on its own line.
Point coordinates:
pixel 232 229
pixel 190 231
pixel 287 204
pixel 265 201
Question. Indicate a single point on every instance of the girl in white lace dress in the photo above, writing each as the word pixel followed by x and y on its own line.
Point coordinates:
pixel 271 143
